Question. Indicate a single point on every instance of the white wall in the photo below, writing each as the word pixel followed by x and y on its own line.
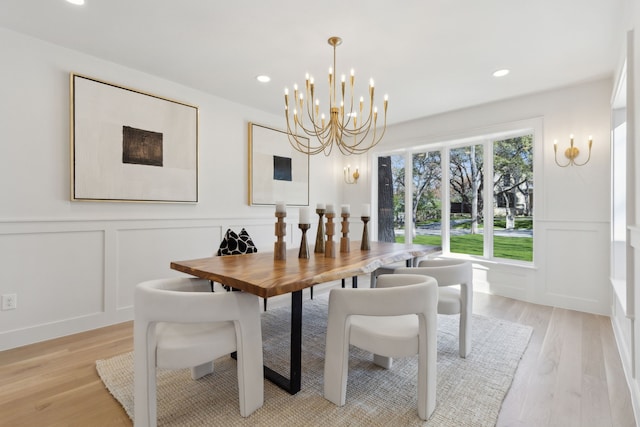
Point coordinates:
pixel 571 229
pixel 73 265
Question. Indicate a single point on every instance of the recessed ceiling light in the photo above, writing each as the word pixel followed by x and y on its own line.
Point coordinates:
pixel 76 2
pixel 263 78
pixel 501 73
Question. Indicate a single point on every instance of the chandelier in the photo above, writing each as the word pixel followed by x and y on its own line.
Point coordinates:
pixel 353 129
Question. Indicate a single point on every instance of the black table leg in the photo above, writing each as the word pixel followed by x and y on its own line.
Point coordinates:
pixel 291 384
pixel 354 282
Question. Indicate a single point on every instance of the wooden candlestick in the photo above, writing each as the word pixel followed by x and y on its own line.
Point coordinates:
pixel 344 240
pixel 364 245
pixel 280 247
pixel 329 247
pixel 304 249
pixel 320 234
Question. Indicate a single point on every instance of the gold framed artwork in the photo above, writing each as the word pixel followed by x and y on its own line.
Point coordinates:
pixel 131 146
pixel 277 172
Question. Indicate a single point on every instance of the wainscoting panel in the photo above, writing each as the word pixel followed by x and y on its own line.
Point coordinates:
pixel 145 254
pixel 510 281
pixel 73 276
pixel 575 270
pixel 56 275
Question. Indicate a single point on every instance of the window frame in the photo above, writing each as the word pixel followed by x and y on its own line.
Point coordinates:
pixel 486 137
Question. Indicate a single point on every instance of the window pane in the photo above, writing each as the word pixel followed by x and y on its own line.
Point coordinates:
pixel 427 207
pixel 391 199
pixel 465 192
pixel 513 198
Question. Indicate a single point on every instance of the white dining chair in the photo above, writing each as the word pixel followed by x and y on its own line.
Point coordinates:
pixel 452 299
pixel 396 319
pixel 179 323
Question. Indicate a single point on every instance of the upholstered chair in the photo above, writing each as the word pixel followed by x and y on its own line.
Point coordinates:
pixel 396 319
pixel 452 299
pixel 179 323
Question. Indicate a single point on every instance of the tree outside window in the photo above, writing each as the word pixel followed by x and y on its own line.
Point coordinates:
pixel 510 200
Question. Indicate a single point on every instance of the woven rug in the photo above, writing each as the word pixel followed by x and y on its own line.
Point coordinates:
pixel 469 391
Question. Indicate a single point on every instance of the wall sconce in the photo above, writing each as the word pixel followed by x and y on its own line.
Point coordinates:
pixel 571 153
pixel 351 178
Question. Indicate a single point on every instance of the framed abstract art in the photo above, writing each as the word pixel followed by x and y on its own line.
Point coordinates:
pixel 277 172
pixel 128 145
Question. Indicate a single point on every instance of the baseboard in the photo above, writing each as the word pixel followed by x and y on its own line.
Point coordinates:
pixel 47 331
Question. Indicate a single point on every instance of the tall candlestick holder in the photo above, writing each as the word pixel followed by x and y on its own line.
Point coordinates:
pixel 304 248
pixel 344 240
pixel 320 234
pixel 364 245
pixel 329 247
pixel 280 246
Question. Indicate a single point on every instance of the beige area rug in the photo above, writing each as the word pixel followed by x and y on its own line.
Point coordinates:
pixel 469 391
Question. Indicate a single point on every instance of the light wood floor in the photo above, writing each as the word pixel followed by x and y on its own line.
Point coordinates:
pixel 570 375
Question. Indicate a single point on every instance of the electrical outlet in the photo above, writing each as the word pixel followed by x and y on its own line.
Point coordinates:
pixel 9 301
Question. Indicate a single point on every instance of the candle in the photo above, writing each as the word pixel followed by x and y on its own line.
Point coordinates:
pixel 330 209
pixel 345 209
pixel 304 216
pixel 366 209
pixel 320 206
pixel 281 207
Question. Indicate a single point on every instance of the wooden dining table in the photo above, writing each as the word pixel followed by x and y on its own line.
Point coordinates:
pixel 262 275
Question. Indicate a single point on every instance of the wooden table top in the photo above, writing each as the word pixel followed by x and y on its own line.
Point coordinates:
pixel 261 275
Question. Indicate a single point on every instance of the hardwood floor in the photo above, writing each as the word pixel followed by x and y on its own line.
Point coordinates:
pixel 570 375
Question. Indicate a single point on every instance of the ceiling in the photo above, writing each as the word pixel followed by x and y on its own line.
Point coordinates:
pixel 430 56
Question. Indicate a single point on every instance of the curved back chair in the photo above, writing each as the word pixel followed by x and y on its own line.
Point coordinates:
pixel 397 319
pixel 451 300
pixel 179 323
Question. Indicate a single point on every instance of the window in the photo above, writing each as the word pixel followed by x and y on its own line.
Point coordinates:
pixel 513 198
pixel 391 204
pixel 485 210
pixel 427 197
pixel 466 222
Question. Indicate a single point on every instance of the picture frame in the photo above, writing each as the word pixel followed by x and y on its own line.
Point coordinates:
pixel 131 146
pixel 277 171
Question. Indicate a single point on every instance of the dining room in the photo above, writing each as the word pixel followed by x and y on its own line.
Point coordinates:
pixel 80 227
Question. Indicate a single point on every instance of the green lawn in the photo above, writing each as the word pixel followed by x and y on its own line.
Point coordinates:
pixel 517 248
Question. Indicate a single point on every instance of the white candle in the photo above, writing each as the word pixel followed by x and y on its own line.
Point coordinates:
pixel 304 216
pixel 345 209
pixel 366 209
pixel 320 206
pixel 281 207
pixel 330 209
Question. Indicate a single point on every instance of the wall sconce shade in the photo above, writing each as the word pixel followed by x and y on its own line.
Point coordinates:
pixel 571 153
pixel 350 178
